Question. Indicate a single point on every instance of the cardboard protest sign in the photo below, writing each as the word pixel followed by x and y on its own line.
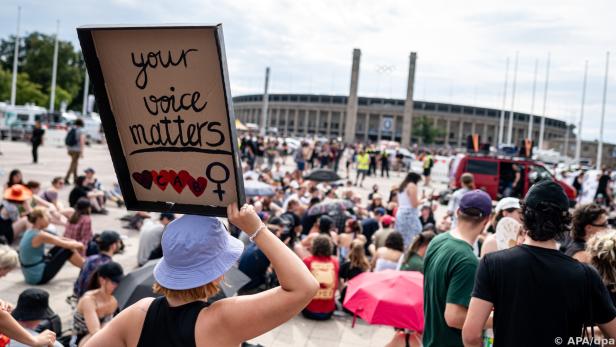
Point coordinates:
pixel 165 105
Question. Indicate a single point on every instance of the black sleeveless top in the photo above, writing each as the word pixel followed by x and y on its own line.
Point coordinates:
pixel 166 326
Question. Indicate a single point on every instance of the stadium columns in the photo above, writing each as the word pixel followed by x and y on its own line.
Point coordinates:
pixel 351 110
pixel 264 121
pixel 407 120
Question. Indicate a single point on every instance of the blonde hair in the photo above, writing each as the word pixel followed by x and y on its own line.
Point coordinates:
pixel 36 213
pixel 8 258
pixel 602 249
pixel 192 294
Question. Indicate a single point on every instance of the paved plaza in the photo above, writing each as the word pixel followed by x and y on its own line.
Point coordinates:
pixel 54 162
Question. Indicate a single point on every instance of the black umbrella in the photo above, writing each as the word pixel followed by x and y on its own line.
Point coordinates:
pixel 138 284
pixel 322 175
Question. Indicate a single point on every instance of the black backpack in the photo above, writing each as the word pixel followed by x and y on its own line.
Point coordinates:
pixel 71 138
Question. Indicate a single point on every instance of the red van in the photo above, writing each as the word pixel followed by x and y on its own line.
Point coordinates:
pixel 494 174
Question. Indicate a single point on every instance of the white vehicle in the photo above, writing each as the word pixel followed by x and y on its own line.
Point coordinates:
pixel 18 120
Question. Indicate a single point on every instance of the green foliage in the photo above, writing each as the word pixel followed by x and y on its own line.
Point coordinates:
pixel 27 91
pixel 36 62
pixel 425 131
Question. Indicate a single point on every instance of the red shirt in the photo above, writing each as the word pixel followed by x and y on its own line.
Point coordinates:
pixel 325 270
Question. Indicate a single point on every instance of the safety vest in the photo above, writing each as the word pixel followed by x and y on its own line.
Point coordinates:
pixel 363 162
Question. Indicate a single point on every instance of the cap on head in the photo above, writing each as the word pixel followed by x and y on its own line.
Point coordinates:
pixel 546 192
pixel 476 203
pixel 507 203
pixel 379 211
pixel 387 221
pixel 112 271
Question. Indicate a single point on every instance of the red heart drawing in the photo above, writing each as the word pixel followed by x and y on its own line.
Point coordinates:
pixel 144 178
pixel 198 186
pixel 161 179
pixel 185 177
pixel 175 181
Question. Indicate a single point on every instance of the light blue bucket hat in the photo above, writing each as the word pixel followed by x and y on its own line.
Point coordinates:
pixel 196 251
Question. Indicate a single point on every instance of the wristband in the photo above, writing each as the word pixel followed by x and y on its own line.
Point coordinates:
pixel 256 233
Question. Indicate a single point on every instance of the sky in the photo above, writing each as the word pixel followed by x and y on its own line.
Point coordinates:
pixel 462 46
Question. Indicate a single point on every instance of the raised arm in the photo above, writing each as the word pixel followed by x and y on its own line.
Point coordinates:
pixel 245 317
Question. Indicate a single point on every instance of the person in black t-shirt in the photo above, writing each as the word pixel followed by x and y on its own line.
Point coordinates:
pixel 36 140
pixel 603 187
pixel 538 294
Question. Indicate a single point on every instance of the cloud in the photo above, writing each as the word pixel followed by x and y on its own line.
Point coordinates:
pixel 461 46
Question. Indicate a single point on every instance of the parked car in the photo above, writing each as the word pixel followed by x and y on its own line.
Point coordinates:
pixel 492 174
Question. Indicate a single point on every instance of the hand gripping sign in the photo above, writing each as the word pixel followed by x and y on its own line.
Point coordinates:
pixel 165 105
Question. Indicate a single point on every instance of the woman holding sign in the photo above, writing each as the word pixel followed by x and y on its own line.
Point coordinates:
pixel 198 251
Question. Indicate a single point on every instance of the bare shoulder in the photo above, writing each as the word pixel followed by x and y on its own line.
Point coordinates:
pixel 141 305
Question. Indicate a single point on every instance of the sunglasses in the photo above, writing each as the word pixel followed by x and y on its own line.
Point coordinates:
pixel 602 225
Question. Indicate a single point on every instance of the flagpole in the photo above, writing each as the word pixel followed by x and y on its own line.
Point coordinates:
pixel 532 102
pixel 600 149
pixel 545 102
pixel 86 83
pixel 515 79
pixel 578 144
pixel 54 70
pixel 502 115
pixel 15 60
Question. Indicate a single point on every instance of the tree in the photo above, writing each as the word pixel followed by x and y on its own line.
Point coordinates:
pixel 425 130
pixel 27 91
pixel 36 60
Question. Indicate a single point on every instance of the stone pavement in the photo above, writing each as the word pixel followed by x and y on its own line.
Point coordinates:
pixel 54 162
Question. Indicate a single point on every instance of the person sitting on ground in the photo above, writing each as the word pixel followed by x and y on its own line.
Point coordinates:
pixel 426 216
pixel 509 233
pixel 413 260
pixel 13 210
pixel 58 217
pixel 198 251
pixel 38 267
pixel 109 243
pixel 51 194
pixel 358 263
pixel 557 289
pixel 10 328
pixel 255 264
pixel 97 306
pixel 34 314
pixel 94 185
pixel 588 220
pixel 379 237
pixel 150 234
pixel 324 226
pixel 79 227
pixel 82 191
pixel 352 231
pixel 325 269
pixel 8 325
pixel 375 202
pixel 15 177
pixel 602 251
pixel 388 256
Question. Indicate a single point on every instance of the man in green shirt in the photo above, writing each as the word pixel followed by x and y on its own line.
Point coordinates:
pixel 449 272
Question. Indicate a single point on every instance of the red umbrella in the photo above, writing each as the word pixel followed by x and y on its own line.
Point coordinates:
pixel 393 298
